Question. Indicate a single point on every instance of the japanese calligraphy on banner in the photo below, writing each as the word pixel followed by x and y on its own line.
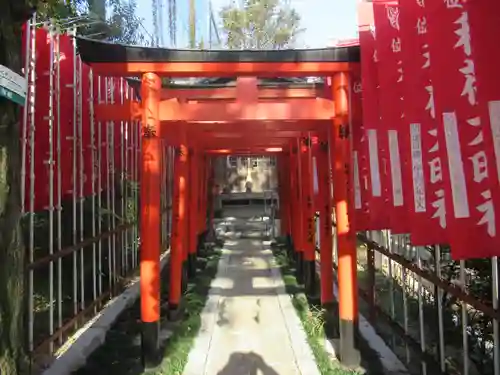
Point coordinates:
pixel 360 172
pixel 376 176
pixel 426 155
pixel 473 202
pixel 390 74
pixel 484 21
pixel 484 24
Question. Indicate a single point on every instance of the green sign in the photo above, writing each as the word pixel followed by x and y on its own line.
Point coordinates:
pixel 12 86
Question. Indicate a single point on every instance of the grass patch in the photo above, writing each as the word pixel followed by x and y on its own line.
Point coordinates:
pixel 121 352
pixel 315 320
pixel 180 343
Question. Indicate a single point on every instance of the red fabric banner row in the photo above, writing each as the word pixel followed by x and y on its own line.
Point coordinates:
pixel 64 137
pixel 427 151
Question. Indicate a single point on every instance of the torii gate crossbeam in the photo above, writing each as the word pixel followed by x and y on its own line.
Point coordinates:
pixel 151 63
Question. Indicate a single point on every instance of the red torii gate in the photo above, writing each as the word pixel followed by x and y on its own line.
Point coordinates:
pixel 196 119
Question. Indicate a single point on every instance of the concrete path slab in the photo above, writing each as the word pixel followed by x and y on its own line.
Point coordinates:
pixel 249 326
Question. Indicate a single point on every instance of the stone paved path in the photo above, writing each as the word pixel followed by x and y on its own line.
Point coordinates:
pixel 249 326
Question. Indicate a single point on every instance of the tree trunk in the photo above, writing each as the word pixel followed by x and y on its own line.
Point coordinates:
pixel 11 248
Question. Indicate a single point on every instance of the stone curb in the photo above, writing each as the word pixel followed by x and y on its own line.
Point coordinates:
pixel 390 362
pixel 86 340
pixel 198 356
pixel 298 337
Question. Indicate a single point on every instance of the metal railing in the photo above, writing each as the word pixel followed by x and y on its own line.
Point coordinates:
pixel 439 316
pixel 83 245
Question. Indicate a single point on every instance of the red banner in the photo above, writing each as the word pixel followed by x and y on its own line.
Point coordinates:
pixel 53 119
pixel 59 137
pixel 360 165
pixel 88 142
pixel 74 119
pixel 41 139
pixel 473 202
pixel 315 171
pixel 429 176
pixel 390 74
pixel 377 180
pixel 484 20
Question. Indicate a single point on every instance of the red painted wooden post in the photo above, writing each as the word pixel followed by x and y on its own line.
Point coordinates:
pixel 308 213
pixel 150 219
pixel 178 230
pixel 325 218
pixel 346 236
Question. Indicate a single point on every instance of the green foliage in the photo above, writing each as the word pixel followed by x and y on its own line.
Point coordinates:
pixel 119 24
pixel 56 10
pixel 478 284
pixel 124 25
pixel 192 24
pixel 260 24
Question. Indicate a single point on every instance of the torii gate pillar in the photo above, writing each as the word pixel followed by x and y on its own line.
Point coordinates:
pixel 346 237
pixel 150 219
pixel 308 213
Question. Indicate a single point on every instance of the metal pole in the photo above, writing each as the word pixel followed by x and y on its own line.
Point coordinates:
pixel 31 55
pixel 126 179
pixel 123 139
pixel 93 150
pixel 108 190
pixel 50 163
pixel 74 175
pixel 112 188
pixel 99 187
pixel 27 70
pixel 59 187
pixel 79 185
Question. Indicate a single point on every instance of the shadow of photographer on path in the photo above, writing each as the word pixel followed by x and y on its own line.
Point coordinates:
pixel 246 364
